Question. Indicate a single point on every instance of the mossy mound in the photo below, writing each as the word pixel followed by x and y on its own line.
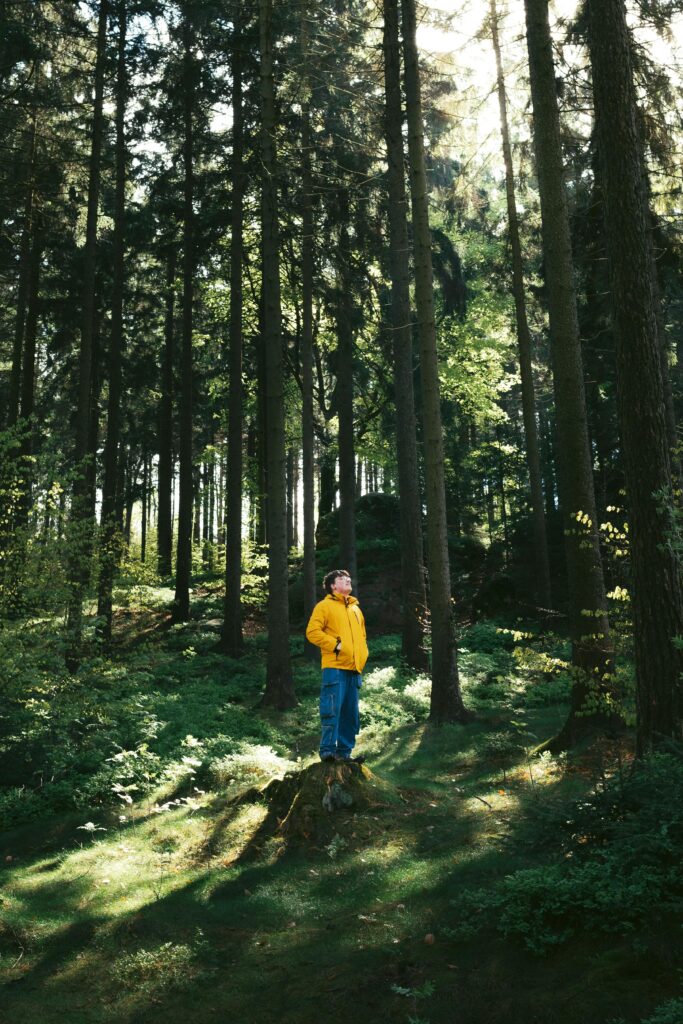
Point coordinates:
pixel 309 807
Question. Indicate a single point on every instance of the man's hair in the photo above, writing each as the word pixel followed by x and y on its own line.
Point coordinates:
pixel 332 576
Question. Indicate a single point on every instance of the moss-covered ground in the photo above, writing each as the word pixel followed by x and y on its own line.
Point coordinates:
pixel 136 888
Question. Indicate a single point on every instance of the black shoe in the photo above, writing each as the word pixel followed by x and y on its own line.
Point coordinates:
pixel 359 759
pixel 327 758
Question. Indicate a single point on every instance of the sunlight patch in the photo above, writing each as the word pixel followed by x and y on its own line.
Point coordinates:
pixel 251 762
pixel 379 677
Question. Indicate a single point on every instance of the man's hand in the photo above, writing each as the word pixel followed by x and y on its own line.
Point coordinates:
pixel 338 647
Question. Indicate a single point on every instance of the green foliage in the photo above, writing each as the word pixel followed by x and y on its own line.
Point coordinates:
pixel 670 1012
pixel 31 562
pixel 117 730
pixel 620 861
pixel 487 638
pixel 169 965
pixel 335 847
pixel 254 575
pixel 387 703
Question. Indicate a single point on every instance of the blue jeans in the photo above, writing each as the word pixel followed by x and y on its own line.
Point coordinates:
pixel 339 711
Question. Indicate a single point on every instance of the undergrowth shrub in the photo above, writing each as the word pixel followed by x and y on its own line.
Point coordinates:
pixel 670 1012
pixel 119 728
pixel 619 871
pixel 385 702
pixel 249 762
pixel 171 965
pixel 487 638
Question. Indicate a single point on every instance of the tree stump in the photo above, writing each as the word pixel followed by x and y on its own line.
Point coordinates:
pixel 311 806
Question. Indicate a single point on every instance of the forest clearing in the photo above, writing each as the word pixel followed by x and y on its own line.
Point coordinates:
pixel 341 604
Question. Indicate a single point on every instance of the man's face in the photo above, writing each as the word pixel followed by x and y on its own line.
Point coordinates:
pixel 342 585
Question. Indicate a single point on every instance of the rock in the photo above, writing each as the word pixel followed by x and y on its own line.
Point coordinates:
pixel 336 797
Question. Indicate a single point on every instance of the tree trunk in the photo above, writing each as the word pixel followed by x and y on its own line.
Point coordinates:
pixel 491 510
pixel 131 487
pixel 220 503
pixel 548 460
pixel 110 542
pixel 79 540
pixel 27 244
pixel 657 597
pixel 523 337
pixel 328 480
pixel 94 428
pixel 413 592
pixel 503 507
pixel 295 504
pixel 592 654
pixel 232 639
pixel 307 241
pixel 290 498
pixel 205 502
pixel 261 493
pixel 344 393
pixel 181 603
pixel 211 516
pixel 165 441
pixel 197 508
pixel 279 690
pixel 28 378
pixel 446 699
pixel 143 514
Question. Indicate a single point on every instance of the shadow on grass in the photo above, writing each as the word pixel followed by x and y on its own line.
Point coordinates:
pixel 308 938
pixel 334 931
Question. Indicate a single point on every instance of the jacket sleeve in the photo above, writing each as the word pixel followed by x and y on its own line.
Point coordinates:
pixel 315 631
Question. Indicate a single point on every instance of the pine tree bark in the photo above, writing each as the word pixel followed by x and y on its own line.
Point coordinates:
pixel 220 504
pixel 165 441
pixel 232 639
pixel 261 463
pixel 80 529
pixel 446 699
pixel 279 691
pixel 413 590
pixel 93 429
pixel 28 374
pixel 205 501
pixel 592 652
pixel 211 516
pixel 307 242
pixel 27 232
pixel 657 595
pixel 523 335
pixel 344 396
pixel 197 507
pixel 143 509
pixel 181 602
pixel 110 537
pixel 290 498
pixel 328 481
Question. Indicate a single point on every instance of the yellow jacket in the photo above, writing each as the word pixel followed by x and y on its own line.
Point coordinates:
pixel 339 618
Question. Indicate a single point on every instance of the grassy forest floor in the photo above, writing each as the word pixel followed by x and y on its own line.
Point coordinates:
pixel 492 886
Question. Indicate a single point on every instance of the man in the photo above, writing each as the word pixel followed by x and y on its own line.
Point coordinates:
pixel 337 627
